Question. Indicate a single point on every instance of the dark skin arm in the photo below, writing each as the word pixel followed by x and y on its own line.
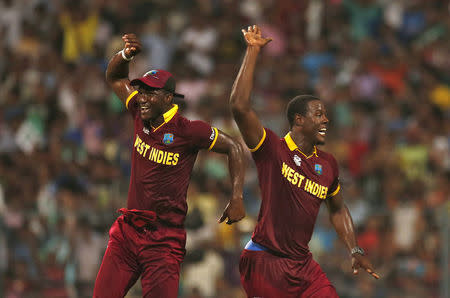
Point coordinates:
pixel 342 221
pixel 234 210
pixel 118 68
pixel 245 117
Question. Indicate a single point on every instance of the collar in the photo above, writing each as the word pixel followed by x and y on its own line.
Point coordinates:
pixel 292 146
pixel 168 116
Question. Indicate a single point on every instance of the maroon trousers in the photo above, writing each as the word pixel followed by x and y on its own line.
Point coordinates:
pixel 153 252
pixel 265 275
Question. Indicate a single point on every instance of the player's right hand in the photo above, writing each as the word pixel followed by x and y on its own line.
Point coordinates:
pixel 253 37
pixel 132 45
pixel 234 211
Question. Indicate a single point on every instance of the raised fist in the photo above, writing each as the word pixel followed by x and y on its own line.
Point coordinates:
pixel 132 45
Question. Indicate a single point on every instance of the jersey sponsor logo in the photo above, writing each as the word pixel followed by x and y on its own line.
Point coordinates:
pixel 318 168
pixel 297 160
pixel 155 155
pixel 213 134
pixel 146 130
pixel 301 181
pixel 168 138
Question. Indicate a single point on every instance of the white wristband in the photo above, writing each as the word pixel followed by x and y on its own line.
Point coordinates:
pixel 125 57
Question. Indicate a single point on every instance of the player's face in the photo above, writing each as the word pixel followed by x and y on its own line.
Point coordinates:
pixel 315 122
pixel 152 103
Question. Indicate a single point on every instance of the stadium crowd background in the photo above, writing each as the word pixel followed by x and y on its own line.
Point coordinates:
pixel 382 67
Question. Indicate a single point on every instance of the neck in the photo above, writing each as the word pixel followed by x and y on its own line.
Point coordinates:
pixel 160 119
pixel 304 145
pixel 157 121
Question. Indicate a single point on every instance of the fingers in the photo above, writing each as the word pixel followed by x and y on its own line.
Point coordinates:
pixel 267 40
pixel 371 272
pixel 356 267
pixel 223 217
pixel 131 41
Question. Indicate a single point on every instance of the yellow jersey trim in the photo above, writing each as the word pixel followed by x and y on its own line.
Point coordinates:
pixel 215 138
pixel 168 116
pixel 129 98
pixel 260 142
pixel 292 146
pixel 335 192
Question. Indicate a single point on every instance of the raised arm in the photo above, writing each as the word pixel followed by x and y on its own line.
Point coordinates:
pixel 234 210
pixel 245 117
pixel 342 221
pixel 118 67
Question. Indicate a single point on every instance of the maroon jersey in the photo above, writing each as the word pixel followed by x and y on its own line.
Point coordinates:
pixel 162 162
pixel 293 186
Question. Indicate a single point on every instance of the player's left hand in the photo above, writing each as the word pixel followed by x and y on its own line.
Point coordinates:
pixel 360 261
pixel 234 211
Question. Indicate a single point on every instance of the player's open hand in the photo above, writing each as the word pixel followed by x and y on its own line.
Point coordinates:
pixel 360 261
pixel 132 45
pixel 253 37
pixel 234 211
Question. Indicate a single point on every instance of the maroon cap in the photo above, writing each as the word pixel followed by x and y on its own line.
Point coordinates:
pixel 158 79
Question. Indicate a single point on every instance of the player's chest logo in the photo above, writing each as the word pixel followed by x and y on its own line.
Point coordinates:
pixel 146 130
pixel 297 160
pixel 318 169
pixel 168 138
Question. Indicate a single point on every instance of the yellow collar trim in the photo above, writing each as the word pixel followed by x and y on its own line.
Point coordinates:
pixel 168 115
pixel 292 146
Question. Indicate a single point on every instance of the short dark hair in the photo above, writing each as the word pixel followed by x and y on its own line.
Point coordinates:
pixel 298 105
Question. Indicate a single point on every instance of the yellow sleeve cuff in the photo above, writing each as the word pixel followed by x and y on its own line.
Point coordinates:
pixel 215 138
pixel 335 192
pixel 130 97
pixel 260 142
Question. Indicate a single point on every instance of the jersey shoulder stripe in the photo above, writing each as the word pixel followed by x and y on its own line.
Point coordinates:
pixel 129 98
pixel 260 142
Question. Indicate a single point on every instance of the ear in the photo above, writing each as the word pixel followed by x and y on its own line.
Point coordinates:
pixel 168 99
pixel 299 120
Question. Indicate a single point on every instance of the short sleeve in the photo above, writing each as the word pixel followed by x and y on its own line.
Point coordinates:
pixel 202 135
pixel 131 103
pixel 335 185
pixel 266 146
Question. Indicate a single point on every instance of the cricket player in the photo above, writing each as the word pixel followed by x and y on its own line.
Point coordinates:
pixel 148 239
pixel 295 178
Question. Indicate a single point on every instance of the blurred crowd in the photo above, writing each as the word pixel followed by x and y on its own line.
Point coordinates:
pixel 381 66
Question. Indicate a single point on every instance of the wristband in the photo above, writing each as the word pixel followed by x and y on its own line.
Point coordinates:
pixel 125 57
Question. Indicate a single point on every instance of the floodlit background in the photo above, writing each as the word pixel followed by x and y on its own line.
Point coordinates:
pixel 382 67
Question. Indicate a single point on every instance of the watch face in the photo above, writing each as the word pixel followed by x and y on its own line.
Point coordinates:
pixel 357 250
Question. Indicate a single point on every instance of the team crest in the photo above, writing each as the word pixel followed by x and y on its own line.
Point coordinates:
pixel 297 160
pixel 152 73
pixel 318 169
pixel 168 138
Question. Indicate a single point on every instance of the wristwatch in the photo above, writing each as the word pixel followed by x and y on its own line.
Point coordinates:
pixel 357 250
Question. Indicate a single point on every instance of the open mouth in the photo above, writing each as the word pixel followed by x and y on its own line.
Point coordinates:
pixel 322 131
pixel 145 109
